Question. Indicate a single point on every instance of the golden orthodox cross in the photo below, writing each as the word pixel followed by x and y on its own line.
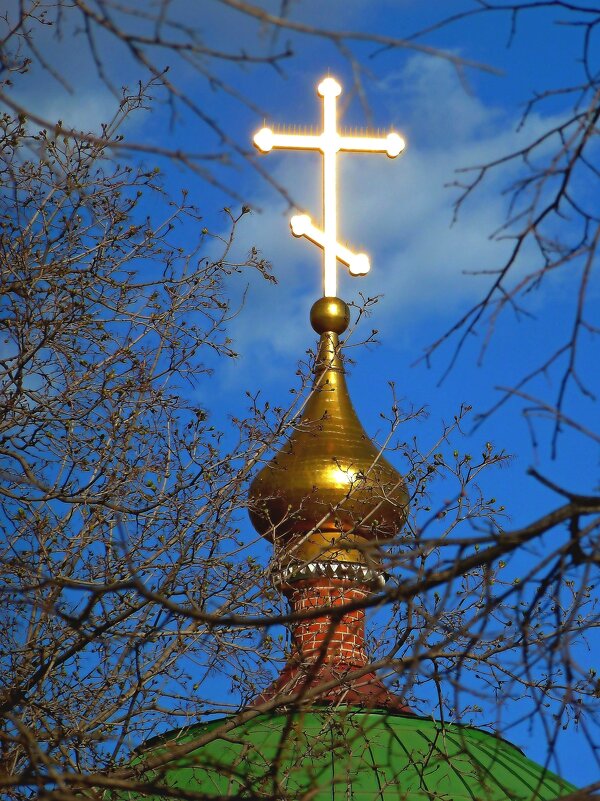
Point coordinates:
pixel 330 143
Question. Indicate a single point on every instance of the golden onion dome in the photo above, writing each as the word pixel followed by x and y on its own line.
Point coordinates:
pixel 328 494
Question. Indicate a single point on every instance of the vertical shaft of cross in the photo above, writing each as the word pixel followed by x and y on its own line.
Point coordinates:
pixel 330 90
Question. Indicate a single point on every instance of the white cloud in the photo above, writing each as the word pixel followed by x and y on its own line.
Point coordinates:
pixel 85 113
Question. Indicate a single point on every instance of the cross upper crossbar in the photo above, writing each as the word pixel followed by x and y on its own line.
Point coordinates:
pixel 329 143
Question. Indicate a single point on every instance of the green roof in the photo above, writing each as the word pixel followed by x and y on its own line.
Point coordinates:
pixel 351 754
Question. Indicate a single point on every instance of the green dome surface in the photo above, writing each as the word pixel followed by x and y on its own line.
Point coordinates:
pixel 354 755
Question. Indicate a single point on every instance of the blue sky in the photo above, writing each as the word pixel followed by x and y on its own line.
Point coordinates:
pixel 400 212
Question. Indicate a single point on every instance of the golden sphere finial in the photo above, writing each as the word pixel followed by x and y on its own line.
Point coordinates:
pixel 330 315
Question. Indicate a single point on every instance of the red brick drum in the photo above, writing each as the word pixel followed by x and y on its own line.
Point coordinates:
pixel 329 650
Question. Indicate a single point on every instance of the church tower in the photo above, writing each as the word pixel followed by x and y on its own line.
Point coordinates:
pixel 327 501
pixel 328 728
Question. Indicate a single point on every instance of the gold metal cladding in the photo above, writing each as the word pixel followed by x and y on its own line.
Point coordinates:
pixel 328 495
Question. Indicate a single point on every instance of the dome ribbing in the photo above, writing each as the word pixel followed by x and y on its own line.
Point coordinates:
pixel 350 754
pixel 328 494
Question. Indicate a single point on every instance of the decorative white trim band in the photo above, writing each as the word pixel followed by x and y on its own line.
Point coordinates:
pixel 343 571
